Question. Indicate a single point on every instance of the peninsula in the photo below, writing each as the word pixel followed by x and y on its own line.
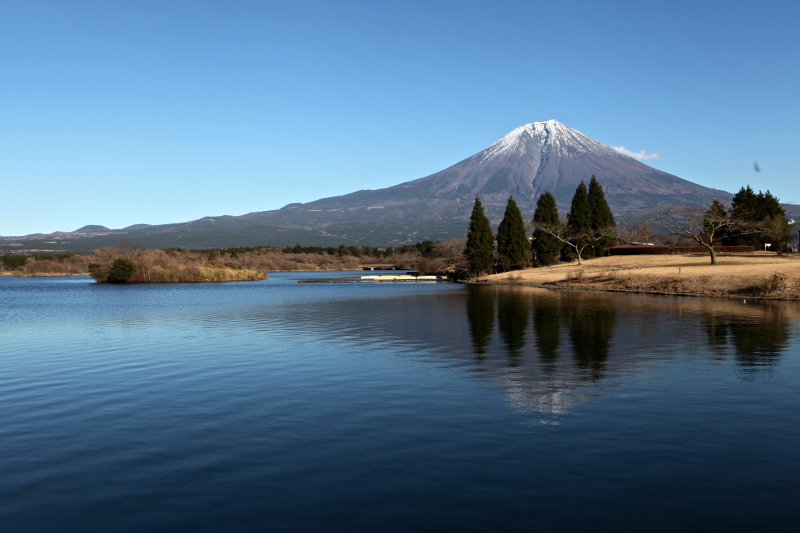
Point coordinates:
pixel 753 275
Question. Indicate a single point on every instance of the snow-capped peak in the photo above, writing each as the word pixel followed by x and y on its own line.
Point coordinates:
pixel 550 137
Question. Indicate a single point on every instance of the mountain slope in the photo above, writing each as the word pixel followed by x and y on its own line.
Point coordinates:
pixel 537 157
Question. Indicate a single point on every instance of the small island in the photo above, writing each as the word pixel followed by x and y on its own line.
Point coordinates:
pixel 157 266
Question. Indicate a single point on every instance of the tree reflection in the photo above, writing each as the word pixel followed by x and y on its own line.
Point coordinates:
pixel 591 328
pixel 480 315
pixel 716 328
pixel 547 330
pixel 513 314
pixel 757 341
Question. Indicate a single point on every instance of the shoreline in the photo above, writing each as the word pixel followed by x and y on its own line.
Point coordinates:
pixel 41 275
pixel 634 291
pixel 762 276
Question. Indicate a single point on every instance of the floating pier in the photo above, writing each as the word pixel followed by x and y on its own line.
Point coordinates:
pixel 379 279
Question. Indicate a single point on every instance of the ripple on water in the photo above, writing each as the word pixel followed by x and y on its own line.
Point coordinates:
pixel 311 406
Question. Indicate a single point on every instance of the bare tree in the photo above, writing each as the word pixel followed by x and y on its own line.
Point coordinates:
pixel 130 249
pixel 705 226
pixel 452 251
pixel 631 230
pixel 578 241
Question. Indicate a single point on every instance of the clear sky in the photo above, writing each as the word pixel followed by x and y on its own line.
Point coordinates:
pixel 117 113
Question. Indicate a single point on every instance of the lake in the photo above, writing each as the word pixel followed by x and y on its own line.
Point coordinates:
pixel 279 406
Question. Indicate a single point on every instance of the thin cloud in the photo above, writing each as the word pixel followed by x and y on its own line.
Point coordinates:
pixel 641 156
pixel 723 150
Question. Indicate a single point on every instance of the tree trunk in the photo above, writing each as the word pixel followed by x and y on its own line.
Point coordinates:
pixel 711 252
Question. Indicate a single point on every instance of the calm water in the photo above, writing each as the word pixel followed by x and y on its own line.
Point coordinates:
pixel 277 405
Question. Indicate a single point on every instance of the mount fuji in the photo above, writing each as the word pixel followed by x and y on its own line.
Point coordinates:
pixel 532 159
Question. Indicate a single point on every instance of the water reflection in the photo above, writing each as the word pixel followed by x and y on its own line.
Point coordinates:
pixel 480 316
pixel 757 334
pixel 575 340
pixel 756 340
pixel 590 332
pixel 549 350
pixel 402 394
pixel 512 313
pixel 547 330
pixel 593 334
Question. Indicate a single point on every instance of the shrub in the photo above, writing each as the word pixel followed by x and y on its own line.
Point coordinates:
pixel 776 283
pixel 13 261
pixel 121 270
pixel 576 275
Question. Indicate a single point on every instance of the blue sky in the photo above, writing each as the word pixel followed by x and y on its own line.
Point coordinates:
pixel 118 113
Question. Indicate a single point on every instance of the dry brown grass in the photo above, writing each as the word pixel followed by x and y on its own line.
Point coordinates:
pixel 193 274
pixel 73 266
pixel 53 274
pixel 158 266
pixel 753 275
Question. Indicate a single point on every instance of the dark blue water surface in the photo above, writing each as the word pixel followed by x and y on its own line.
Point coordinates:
pixel 280 406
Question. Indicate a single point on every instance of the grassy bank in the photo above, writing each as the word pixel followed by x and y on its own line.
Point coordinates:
pixel 761 275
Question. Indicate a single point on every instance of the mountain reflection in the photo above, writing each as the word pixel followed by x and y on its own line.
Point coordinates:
pixel 590 327
pixel 756 334
pixel 550 350
pixel 578 340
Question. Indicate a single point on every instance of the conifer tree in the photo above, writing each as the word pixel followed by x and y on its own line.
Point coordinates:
pixel 769 205
pixel 579 219
pixel 600 217
pixel 745 203
pixel 545 246
pixel 512 239
pixel 762 209
pixel 744 207
pixel 480 241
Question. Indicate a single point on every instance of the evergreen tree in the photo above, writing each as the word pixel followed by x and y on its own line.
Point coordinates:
pixel 545 246
pixel 744 207
pixel 600 216
pixel 579 219
pixel 744 204
pixel 769 206
pixel 121 270
pixel 716 211
pixel 762 209
pixel 480 241
pixel 512 239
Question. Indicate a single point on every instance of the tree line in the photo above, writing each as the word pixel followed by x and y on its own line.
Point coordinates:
pixel 753 219
pixel 589 229
pixel 425 248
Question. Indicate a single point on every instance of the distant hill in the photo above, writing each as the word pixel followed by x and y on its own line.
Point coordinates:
pixel 532 159
pixel 92 229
